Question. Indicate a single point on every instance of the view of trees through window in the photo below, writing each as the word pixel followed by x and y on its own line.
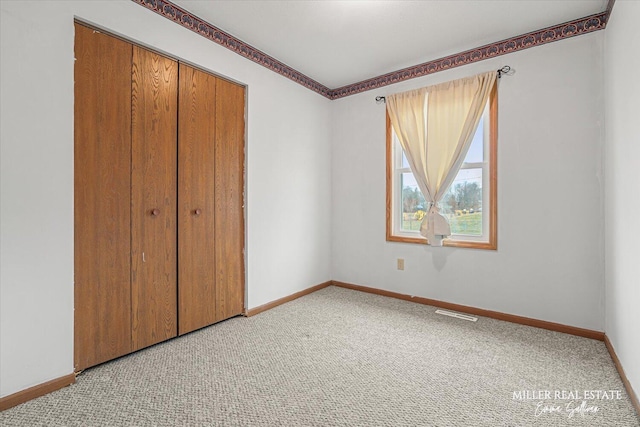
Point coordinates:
pixel 462 205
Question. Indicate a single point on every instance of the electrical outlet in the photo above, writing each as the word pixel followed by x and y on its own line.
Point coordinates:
pixel 400 264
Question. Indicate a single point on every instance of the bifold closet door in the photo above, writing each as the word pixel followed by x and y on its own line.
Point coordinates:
pixel 102 187
pixel 196 207
pixel 229 196
pixel 210 209
pixel 154 133
pixel 158 215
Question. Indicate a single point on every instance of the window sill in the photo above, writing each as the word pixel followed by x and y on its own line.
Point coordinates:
pixel 450 243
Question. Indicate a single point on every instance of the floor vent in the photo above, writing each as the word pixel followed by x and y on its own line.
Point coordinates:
pixel 457 315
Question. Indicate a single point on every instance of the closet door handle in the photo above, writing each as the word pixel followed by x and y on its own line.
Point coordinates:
pixel 197 212
pixel 155 212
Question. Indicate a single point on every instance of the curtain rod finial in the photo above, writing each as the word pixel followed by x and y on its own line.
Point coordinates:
pixel 506 70
pixel 380 99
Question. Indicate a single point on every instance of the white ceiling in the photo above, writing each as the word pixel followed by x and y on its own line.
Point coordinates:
pixel 342 42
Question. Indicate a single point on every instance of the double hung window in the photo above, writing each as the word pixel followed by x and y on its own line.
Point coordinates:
pixel 470 203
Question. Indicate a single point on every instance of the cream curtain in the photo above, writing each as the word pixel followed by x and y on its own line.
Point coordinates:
pixel 435 126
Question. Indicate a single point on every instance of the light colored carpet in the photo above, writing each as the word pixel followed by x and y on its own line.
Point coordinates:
pixel 342 358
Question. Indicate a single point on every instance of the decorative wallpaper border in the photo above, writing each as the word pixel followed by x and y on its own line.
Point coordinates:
pixel 536 38
pixel 554 33
pixel 188 20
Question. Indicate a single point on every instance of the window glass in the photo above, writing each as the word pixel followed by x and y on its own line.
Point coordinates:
pixel 462 204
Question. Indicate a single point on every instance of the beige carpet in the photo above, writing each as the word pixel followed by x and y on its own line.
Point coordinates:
pixel 343 358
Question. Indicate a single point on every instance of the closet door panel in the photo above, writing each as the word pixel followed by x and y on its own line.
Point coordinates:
pixel 102 156
pixel 229 216
pixel 154 109
pixel 196 210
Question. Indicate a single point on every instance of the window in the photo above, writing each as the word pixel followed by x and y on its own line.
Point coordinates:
pixel 470 204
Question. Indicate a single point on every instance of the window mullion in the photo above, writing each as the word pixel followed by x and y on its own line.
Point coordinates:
pixel 476 165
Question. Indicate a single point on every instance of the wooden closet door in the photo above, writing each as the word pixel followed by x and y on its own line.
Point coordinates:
pixel 196 208
pixel 229 194
pixel 102 178
pixel 154 110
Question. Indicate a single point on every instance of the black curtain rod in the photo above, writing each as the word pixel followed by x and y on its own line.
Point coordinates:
pixel 506 70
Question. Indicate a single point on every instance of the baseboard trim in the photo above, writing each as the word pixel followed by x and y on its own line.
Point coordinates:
pixel 627 385
pixel 36 391
pixel 272 304
pixel 557 327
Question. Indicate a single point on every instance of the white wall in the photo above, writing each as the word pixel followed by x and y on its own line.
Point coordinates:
pixel 622 191
pixel 550 262
pixel 288 175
